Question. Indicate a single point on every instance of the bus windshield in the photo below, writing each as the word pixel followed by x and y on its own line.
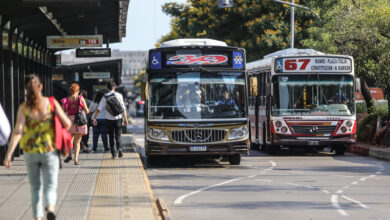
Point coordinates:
pixel 313 94
pixel 197 95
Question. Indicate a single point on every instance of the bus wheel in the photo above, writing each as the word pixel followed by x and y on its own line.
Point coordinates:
pixel 235 159
pixel 272 149
pixel 339 149
pixel 151 160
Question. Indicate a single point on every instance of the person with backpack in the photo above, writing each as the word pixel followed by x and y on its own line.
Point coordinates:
pixel 115 115
pixel 72 105
pixel 34 131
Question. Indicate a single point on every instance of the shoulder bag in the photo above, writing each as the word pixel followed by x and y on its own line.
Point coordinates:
pixel 63 139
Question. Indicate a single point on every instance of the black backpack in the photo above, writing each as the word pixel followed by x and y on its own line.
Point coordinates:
pixel 113 105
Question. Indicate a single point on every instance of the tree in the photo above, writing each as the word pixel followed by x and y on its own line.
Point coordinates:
pixel 360 28
pixel 260 26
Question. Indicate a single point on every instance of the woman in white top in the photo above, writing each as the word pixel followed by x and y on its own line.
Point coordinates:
pixel 100 128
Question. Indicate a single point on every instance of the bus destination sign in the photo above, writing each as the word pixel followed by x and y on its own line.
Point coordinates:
pixel 192 59
pixel 96 52
pixel 313 64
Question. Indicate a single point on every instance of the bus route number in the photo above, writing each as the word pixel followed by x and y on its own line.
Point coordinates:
pixel 292 64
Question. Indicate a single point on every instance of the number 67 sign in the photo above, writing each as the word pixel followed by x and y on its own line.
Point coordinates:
pixel 313 64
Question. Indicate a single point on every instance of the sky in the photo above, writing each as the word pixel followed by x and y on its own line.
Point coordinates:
pixel 146 24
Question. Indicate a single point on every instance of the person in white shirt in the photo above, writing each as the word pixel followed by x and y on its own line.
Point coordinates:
pixel 113 123
pixel 100 128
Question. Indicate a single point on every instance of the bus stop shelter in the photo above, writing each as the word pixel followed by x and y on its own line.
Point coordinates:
pixel 24 27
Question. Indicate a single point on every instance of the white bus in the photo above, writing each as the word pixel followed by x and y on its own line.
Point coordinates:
pixel 302 98
pixel 196 100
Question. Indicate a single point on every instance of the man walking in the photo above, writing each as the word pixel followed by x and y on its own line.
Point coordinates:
pixel 115 113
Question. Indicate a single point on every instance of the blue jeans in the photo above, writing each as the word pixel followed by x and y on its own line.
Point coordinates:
pixel 100 129
pixel 48 164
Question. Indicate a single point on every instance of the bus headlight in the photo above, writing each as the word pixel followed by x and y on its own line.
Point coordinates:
pixel 238 133
pixel 158 134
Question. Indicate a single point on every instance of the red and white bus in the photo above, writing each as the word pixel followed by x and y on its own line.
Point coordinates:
pixel 302 98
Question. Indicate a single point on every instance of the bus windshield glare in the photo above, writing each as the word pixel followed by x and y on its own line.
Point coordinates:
pixel 197 95
pixel 313 95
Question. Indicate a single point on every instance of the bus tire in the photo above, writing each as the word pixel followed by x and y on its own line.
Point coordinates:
pixel 339 149
pixel 272 149
pixel 235 159
pixel 151 161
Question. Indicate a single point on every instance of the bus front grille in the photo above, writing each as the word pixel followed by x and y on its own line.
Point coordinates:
pixel 313 129
pixel 198 135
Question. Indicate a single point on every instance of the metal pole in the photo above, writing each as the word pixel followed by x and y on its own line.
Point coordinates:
pixel 292 25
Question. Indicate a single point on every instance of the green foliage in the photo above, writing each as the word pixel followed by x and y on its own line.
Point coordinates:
pixel 366 128
pixel 360 28
pixel 361 108
pixel 259 26
pixel 139 78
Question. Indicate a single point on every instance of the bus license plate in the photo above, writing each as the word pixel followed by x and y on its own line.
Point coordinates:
pixel 314 142
pixel 198 148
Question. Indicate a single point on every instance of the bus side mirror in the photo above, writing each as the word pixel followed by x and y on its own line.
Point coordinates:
pixel 144 91
pixel 357 85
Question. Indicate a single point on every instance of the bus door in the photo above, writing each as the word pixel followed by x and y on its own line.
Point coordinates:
pixel 268 87
pixel 261 113
pixel 253 92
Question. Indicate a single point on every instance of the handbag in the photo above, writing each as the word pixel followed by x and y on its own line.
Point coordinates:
pixel 63 139
pixel 80 118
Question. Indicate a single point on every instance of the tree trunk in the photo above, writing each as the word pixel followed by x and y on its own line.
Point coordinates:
pixel 366 95
pixel 388 102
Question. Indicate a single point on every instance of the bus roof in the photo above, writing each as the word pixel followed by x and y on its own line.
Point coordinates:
pixel 193 42
pixel 266 62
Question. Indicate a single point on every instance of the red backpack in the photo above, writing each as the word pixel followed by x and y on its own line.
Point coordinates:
pixel 63 139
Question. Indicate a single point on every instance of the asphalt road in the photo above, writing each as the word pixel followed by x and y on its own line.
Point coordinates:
pixel 286 186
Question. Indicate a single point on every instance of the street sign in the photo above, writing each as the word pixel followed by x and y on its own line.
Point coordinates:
pixel 101 52
pixel 74 41
pixel 96 75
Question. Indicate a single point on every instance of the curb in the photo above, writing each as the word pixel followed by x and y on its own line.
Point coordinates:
pixel 163 209
pixel 379 153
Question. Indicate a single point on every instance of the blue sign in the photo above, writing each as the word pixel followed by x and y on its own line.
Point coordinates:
pixel 238 60
pixel 155 60
pixel 279 66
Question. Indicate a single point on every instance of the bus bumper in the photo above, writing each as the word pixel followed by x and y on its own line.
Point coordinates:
pixel 228 148
pixel 314 141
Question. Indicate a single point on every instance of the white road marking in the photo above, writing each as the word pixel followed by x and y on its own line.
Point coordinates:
pixel 180 199
pixel 264 180
pixel 335 203
pixel 325 191
pixel 354 183
pixel 293 184
pixel 346 187
pixel 355 201
pixel 339 191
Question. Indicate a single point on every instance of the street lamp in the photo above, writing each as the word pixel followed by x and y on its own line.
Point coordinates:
pixel 292 4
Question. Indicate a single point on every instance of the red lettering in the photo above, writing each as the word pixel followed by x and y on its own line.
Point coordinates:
pixel 290 64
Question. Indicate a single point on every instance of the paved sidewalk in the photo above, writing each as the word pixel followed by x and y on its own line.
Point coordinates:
pixel 100 188
pixel 380 152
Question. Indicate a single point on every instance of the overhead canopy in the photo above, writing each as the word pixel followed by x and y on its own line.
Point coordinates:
pixel 40 18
